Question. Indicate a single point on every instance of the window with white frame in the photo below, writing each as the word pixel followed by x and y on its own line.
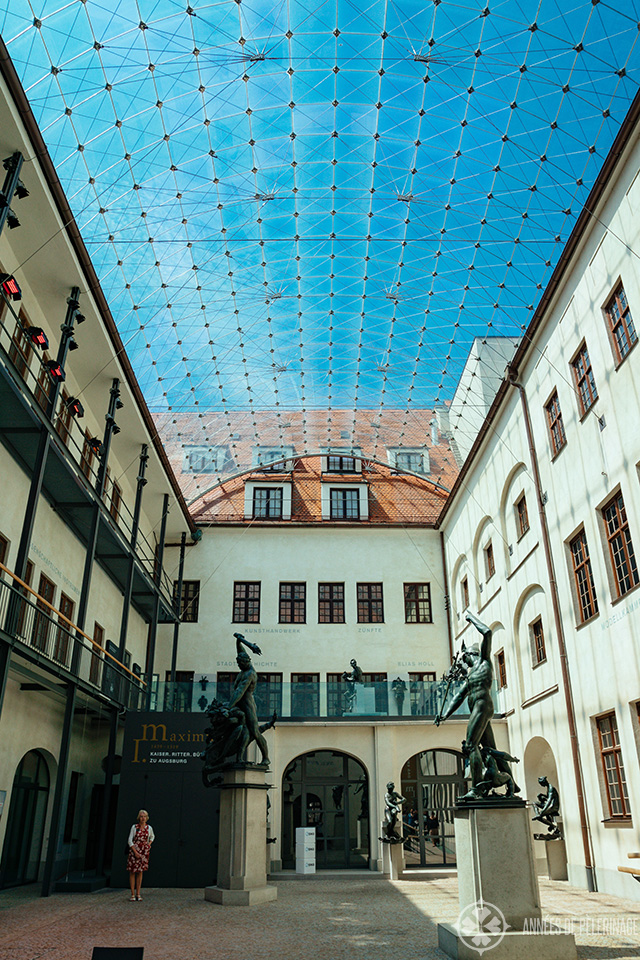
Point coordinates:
pixel 272 458
pixel 413 459
pixel 267 499
pixel 203 458
pixel 344 501
pixel 342 460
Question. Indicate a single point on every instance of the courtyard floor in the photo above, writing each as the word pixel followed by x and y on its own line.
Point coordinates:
pixel 315 918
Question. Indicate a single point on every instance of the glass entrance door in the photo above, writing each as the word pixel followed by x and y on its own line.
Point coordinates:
pixel 327 790
pixel 431 781
pixel 25 827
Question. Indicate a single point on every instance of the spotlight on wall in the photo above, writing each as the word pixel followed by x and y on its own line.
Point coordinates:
pixel 80 318
pixel 38 337
pixel 115 429
pixel 75 407
pixel 119 404
pixel 96 445
pixel 72 344
pixel 12 220
pixel 55 371
pixel 10 286
pixel 21 191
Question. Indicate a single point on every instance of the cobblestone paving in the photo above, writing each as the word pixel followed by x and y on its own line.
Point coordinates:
pixel 313 919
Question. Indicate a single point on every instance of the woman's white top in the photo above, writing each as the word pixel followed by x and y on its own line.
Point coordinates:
pixel 132 834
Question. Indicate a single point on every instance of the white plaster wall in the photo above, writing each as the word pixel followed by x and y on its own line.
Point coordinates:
pixel 603 654
pixel 392 556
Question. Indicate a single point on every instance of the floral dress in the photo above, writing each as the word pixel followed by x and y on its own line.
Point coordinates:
pixel 138 858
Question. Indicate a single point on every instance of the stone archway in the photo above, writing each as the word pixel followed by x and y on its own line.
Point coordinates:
pixel 539 761
pixel 328 790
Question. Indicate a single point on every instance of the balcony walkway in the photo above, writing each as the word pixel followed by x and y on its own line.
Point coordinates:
pixel 336 918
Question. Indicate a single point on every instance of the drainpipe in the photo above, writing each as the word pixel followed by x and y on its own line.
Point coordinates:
pixel 176 626
pixel 151 645
pixel 447 600
pixel 564 662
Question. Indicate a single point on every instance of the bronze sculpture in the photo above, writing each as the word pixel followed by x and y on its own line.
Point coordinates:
pixel 392 810
pixel 351 679
pixel 547 809
pixel 476 672
pixel 235 725
pixel 399 688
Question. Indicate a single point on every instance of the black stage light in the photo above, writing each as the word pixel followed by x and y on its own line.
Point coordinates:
pixel 75 407
pixel 72 344
pixel 21 191
pixel 38 337
pixel 12 220
pixel 96 445
pixel 55 371
pixel 10 286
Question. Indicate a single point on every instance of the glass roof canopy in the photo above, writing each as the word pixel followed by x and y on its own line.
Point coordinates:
pixel 297 209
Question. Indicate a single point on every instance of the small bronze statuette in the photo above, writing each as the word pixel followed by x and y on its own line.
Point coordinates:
pixel 398 688
pixel 392 810
pixel 547 808
pixel 351 679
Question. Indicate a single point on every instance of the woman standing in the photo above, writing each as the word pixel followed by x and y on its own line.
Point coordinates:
pixel 141 836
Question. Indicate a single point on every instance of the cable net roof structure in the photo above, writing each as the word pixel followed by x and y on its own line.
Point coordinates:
pixel 298 207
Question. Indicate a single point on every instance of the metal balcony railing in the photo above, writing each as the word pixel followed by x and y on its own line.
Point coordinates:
pixel 28 364
pixel 316 701
pixel 47 636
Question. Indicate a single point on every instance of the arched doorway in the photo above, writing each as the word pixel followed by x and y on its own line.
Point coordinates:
pixel 327 790
pixel 431 781
pixel 25 826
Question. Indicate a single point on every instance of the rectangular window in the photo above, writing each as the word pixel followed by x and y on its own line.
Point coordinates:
pixel 20 350
pixel 340 464
pixel 63 420
pixel 583 574
pixel 88 453
pixel 623 332
pixel 44 384
pixel 417 603
pixel 4 548
pixel 424 695
pixel 585 381
pixel 410 460
pixel 501 669
pixel 267 503
pixel 489 561
pixel 522 517
pixel 189 602
pixel 20 628
pixel 538 650
pixel 556 426
pixel 335 695
pixel 224 685
pixel 614 776
pixel 293 603
pixel 41 621
pixel 305 694
pixel 331 603
pixel 345 503
pixel 116 498
pixel 95 667
pixel 268 695
pixel 623 558
pixel 369 596
pixel 246 602
pixel 378 681
pixel 61 645
pixel 464 590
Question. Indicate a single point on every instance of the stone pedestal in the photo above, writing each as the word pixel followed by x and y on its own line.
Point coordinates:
pixel 557 860
pixel 498 888
pixel 393 860
pixel 242 874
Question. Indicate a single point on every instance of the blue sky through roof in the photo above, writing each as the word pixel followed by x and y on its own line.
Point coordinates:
pixel 298 208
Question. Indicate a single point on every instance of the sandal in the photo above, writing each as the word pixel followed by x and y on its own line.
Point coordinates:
pixel 138 898
pixel 132 899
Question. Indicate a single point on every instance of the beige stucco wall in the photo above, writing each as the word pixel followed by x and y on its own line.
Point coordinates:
pixel 603 655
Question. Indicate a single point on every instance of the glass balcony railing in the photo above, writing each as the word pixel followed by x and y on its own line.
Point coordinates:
pixel 313 701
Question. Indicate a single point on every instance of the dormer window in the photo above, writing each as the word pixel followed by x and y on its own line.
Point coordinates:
pixel 278 459
pixel 205 459
pixel 267 499
pixel 342 460
pixel 413 459
pixel 267 503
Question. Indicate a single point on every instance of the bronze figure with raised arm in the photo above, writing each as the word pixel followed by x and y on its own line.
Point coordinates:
pixel 242 693
pixel 476 688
